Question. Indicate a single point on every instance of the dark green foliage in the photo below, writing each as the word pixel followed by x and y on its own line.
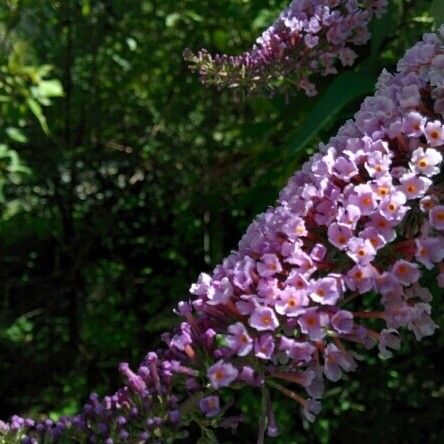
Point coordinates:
pixel 120 190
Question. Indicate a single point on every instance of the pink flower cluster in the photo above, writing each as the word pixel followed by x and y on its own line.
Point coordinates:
pixel 307 39
pixel 364 216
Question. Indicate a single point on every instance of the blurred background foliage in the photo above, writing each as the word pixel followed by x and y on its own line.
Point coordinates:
pixel 121 178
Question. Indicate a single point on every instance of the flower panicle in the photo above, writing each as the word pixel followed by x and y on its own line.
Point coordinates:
pixel 308 38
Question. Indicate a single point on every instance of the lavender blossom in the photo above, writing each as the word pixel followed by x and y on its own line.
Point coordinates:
pixel 309 38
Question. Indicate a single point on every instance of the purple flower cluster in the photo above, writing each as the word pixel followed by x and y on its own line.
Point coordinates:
pixel 364 217
pixel 307 39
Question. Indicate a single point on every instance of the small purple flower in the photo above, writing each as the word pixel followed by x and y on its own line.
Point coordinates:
pixel 200 288
pixel 434 132
pixel 426 162
pixel 269 265
pixel 264 346
pixel 243 273
pixel 263 318
pixel 210 406
pixel 248 375
pixel 325 291
pixel 361 250
pixel 414 124
pixel 388 338
pixel 240 341
pixel 429 251
pixel 310 409
pixel 301 260
pixel 414 186
pixel 349 216
pixel 388 284
pixel 375 238
pixel 220 292
pixel 377 164
pixel 421 323
pixel 336 361
pixel 406 272
pixel 392 207
pixel 345 169
pixel 319 252
pixel 339 235
pixel 383 226
pixel 342 321
pixel 311 40
pixel 298 351
pixel 313 323
pixel 295 228
pixel 222 374
pixel 436 217
pixel 134 381
pixel 361 278
pixel 291 302
pixel 364 198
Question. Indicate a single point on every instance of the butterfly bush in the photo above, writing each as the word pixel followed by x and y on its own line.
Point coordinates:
pixel 309 38
pixel 335 266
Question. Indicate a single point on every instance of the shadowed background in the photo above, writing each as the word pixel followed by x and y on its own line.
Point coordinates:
pixel 121 178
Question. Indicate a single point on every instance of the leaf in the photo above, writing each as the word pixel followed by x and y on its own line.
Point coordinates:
pixel 172 19
pixel 50 88
pixel 437 10
pixel 383 27
pixel 263 418
pixel 346 88
pixel 86 7
pixel 210 436
pixel 16 135
pixel 36 109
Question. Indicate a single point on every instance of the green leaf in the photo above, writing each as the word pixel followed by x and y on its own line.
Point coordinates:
pixel 50 88
pixel 346 88
pixel 86 7
pixel 36 109
pixel 210 436
pixel 437 11
pixel 16 135
pixel 172 19
pixel 383 27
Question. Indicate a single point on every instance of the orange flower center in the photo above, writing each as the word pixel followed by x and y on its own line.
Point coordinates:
pixel 423 163
pixel 383 191
pixel 311 322
pixel 367 200
pixel 266 319
pixel 402 269
pixel 219 374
